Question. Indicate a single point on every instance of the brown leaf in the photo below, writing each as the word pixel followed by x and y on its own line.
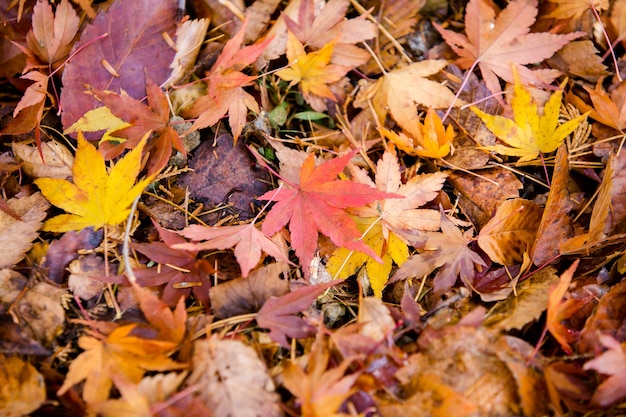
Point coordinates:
pixel 611 363
pixel 52 34
pixel 608 318
pixel 480 196
pixel 555 226
pixel 16 236
pixel 61 252
pixel 376 319
pixel 526 305
pixel 232 380
pixel 23 389
pixel 511 231
pixel 248 295
pixel 137 50
pixel 225 174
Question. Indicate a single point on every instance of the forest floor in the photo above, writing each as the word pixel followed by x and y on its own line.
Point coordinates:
pixel 309 208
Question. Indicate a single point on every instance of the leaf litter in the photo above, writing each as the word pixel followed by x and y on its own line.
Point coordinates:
pixel 396 208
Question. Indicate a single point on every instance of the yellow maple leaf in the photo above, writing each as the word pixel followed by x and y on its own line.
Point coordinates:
pixel 312 70
pixel 530 133
pixel 344 262
pixel 429 140
pixel 97 197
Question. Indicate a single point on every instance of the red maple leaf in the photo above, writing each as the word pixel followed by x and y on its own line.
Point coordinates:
pixel 225 84
pixel 317 204
pixel 154 117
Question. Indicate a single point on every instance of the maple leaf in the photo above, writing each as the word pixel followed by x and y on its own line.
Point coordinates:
pixel 608 109
pixel 278 314
pixel 50 38
pixel 179 268
pixel 447 251
pixel 612 362
pixel 119 352
pixel 247 240
pixel 317 203
pixel 331 26
pixel 389 94
pixel 312 71
pixel 96 198
pixel 225 84
pixel 428 140
pixel 383 222
pixel 559 310
pixel 319 390
pixel 529 133
pixel 574 9
pixel 495 44
pixel 139 119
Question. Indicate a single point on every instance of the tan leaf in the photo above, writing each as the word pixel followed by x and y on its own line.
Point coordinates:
pixel 16 236
pixel 511 231
pixel 57 159
pixel 233 381
pixel 376 319
pixel 526 305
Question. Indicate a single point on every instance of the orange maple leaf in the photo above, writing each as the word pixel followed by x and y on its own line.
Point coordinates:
pixel 317 203
pixel 312 71
pixel 496 43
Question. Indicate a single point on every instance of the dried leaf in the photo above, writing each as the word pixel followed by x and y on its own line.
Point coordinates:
pixel 559 310
pixel 574 9
pixel 56 161
pixel 496 43
pixel 612 363
pixel 17 235
pixel 511 231
pixel 23 389
pixel 233 380
pixel 52 34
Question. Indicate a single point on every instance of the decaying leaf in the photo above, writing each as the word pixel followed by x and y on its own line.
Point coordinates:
pixel 611 363
pixel 511 231
pixel 17 234
pixel 233 380
pixel 559 309
pixel 52 159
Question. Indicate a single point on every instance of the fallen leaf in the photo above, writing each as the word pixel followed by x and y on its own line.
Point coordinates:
pixel 17 235
pixel 390 95
pixel 232 380
pixel 247 295
pixel 137 50
pixel 559 310
pixel 319 390
pixel 139 119
pixel 189 37
pixel 24 390
pixel 608 109
pixel 574 9
pixel 64 250
pixel 312 72
pixel 56 162
pixel 612 363
pixel 179 269
pixel 556 225
pixel 376 320
pixel 96 198
pixel 526 305
pixel 447 251
pixel 511 231
pixel 529 133
pixel 225 92
pixel 608 319
pixel 496 43
pixel 278 314
pixel 246 239
pixel 317 203
pixel 52 33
